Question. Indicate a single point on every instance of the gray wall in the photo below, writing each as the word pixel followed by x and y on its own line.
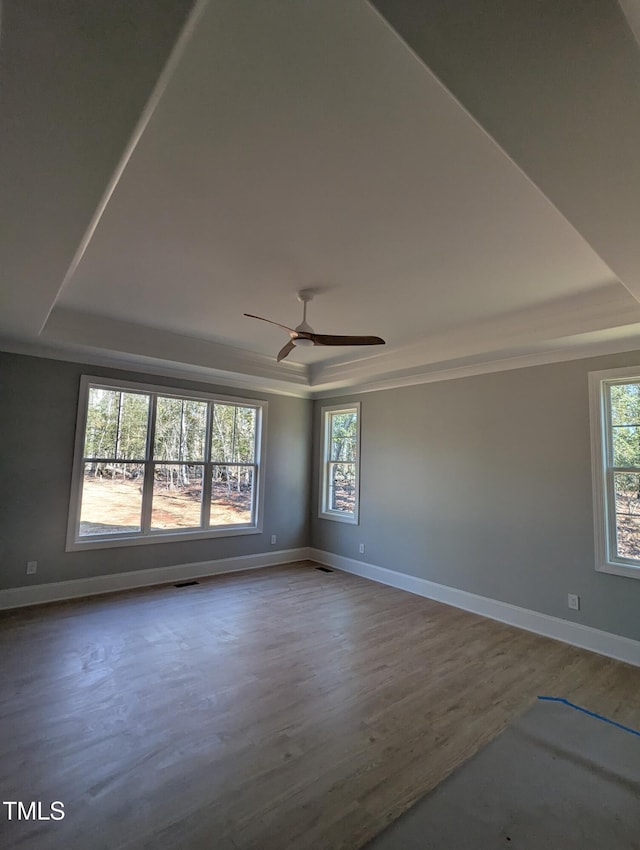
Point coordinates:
pixel 484 484
pixel 481 483
pixel 38 406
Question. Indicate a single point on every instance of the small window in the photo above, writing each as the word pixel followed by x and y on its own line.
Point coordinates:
pixel 615 423
pixel 340 483
pixel 155 464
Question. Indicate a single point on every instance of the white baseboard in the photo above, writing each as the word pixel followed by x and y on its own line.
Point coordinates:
pixel 604 643
pixel 18 597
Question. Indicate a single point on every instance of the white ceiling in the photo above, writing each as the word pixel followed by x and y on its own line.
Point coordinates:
pixel 302 144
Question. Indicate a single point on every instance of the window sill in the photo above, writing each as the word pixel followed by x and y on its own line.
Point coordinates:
pixel 338 517
pixel 113 541
pixel 626 570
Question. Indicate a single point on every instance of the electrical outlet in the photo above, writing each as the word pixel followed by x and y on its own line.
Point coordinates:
pixel 361 548
pixel 574 601
pixel 273 539
pixel 32 567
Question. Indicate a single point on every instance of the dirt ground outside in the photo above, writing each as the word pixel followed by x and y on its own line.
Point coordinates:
pixel 113 506
pixel 628 537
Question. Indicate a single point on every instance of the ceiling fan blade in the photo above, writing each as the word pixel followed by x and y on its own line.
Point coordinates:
pixel 329 339
pixel 286 350
pixel 271 322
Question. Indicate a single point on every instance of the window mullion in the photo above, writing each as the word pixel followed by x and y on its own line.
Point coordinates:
pixel 118 428
pixel 609 476
pixel 610 512
pixel 608 431
pixel 254 492
pixel 332 485
pixel 205 508
pixel 326 485
pixel 149 467
pixel 328 488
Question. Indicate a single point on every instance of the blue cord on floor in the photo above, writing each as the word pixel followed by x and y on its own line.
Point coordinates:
pixel 591 714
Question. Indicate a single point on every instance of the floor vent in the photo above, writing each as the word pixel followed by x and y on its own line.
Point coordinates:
pixel 324 569
pixel 186 583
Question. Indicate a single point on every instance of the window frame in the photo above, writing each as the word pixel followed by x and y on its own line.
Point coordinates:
pixel 75 542
pixel 324 512
pixel 607 561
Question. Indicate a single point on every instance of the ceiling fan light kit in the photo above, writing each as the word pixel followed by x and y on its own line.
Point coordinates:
pixel 303 335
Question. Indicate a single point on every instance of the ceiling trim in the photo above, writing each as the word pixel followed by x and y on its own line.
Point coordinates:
pixel 604 308
pixel 153 366
pixel 608 309
pixel 444 372
pixel 424 374
pixel 90 332
pixel 602 320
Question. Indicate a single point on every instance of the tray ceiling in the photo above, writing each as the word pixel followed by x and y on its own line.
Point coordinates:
pixel 266 148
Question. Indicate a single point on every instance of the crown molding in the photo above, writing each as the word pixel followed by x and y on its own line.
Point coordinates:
pixel 562 323
pixel 459 369
pixel 151 366
pixel 603 321
pixel 444 371
pixel 136 345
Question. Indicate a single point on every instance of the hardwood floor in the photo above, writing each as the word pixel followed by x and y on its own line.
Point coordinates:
pixel 281 708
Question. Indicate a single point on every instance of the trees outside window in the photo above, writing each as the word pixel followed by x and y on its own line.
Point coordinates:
pixel 154 463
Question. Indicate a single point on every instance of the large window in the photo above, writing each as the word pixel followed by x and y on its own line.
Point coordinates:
pixel 615 423
pixel 154 463
pixel 340 479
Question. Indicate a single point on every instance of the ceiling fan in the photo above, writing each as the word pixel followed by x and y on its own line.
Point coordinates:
pixel 304 334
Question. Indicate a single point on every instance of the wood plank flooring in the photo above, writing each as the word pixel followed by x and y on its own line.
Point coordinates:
pixel 280 709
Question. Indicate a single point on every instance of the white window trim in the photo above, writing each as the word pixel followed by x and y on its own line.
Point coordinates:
pixel 323 511
pixel 604 517
pixel 76 543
